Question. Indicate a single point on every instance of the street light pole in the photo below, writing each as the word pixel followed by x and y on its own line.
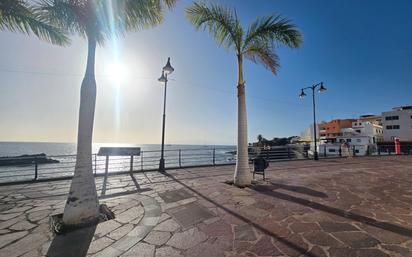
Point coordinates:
pixel 162 160
pixel 302 95
pixel 168 69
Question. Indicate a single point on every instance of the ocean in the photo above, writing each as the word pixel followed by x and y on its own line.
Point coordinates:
pixel 20 148
pixel 65 156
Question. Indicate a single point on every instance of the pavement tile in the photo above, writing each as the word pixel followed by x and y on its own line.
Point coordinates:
pixel 187 239
pixel 169 225
pixel 99 244
pixel 321 238
pixel 157 237
pixel 244 233
pixel 337 227
pixel 356 239
pixel 265 247
pixel 8 238
pixel 167 251
pixel 120 232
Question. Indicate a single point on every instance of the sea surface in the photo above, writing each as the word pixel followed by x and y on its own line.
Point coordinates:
pixel 20 148
pixel 175 156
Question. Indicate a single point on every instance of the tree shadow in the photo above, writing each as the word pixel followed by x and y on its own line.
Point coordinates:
pixel 262 229
pixel 301 190
pixel 268 190
pixel 134 181
pixel 125 193
pixel 72 244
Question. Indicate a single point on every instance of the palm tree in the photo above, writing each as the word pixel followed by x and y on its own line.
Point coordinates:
pixel 259 138
pixel 19 16
pixel 96 21
pixel 256 44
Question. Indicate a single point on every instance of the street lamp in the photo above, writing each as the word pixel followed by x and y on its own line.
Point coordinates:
pixel 168 69
pixel 302 95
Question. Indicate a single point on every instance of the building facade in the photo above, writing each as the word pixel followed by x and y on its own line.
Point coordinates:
pixel 369 129
pixel 329 131
pixel 374 119
pixel 397 123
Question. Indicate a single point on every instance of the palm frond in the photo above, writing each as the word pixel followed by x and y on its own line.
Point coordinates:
pixel 261 53
pixel 170 3
pixel 222 23
pixel 18 16
pixel 103 19
pixel 273 29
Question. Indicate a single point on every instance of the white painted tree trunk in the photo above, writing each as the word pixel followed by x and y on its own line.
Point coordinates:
pixel 242 176
pixel 82 204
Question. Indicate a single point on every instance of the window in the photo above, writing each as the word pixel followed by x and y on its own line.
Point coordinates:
pixel 395 117
pixel 340 140
pixel 388 118
pixel 332 150
pixel 360 123
pixel 348 140
pixel 389 127
pixel 356 151
pixel 396 127
pixel 358 140
pixel 358 130
pixel 411 116
pixel 356 124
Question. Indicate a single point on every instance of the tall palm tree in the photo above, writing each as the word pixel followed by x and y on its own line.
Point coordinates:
pixel 259 138
pixel 256 44
pixel 19 16
pixel 97 21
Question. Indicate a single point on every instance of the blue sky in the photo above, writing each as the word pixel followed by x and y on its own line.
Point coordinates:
pixel 362 50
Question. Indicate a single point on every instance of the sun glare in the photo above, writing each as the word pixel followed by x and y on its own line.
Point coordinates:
pixel 117 73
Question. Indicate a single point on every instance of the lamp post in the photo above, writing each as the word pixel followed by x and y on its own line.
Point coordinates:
pixel 321 89
pixel 168 69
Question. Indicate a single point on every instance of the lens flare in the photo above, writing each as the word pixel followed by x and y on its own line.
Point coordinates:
pixel 117 73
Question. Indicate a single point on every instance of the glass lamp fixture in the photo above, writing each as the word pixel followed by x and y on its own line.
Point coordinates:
pixel 162 78
pixel 302 94
pixel 322 88
pixel 168 68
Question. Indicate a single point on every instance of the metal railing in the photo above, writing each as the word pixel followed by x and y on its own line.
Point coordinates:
pixel 62 166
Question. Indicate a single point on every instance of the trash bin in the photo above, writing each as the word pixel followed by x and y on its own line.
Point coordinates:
pixel 259 166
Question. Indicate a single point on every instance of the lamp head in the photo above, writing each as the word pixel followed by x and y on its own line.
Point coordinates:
pixel 302 94
pixel 168 68
pixel 322 88
pixel 162 78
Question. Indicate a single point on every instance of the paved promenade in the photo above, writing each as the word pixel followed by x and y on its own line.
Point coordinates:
pixel 358 207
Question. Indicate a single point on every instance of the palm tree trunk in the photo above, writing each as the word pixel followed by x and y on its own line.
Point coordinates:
pixel 82 205
pixel 242 175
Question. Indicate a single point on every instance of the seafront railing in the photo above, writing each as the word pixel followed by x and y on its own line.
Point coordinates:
pixel 26 169
pixel 31 168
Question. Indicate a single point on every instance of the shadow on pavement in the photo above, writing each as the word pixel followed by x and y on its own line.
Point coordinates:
pixel 268 190
pixel 72 244
pixel 262 229
pixel 300 190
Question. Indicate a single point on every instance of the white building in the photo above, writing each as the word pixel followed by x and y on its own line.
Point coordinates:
pixel 397 123
pixel 361 138
pixel 368 129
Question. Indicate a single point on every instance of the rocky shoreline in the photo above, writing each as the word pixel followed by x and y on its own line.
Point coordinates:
pixel 26 159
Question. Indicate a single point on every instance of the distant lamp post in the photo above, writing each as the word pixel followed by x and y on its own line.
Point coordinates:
pixel 168 69
pixel 302 95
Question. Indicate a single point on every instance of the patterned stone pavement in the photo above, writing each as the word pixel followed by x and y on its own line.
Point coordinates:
pixel 359 207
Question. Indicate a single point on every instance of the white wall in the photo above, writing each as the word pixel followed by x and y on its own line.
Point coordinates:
pixel 404 122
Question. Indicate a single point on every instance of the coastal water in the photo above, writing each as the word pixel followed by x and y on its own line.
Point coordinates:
pixel 20 148
pixel 65 154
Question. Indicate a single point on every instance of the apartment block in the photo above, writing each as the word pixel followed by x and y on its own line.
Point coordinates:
pixel 397 123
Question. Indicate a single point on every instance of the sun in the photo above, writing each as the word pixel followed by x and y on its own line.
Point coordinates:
pixel 117 73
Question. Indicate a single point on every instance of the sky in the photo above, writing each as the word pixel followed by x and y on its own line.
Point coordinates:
pixel 361 50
